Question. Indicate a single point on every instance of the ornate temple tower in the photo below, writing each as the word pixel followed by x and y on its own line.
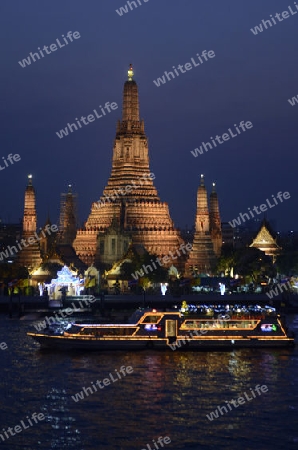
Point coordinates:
pixel 130 195
pixel 29 256
pixel 202 256
pixel 215 222
pixel 68 217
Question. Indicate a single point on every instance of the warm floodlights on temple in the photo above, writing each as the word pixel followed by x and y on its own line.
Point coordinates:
pixel 130 73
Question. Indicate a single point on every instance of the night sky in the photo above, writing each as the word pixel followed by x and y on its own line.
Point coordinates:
pixel 250 78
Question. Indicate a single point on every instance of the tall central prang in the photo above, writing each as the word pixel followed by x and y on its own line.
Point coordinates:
pixel 130 204
pixel 130 154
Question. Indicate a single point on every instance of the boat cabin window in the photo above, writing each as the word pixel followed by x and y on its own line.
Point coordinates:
pixel 106 331
pixel 88 331
pixel 151 319
pixel 219 324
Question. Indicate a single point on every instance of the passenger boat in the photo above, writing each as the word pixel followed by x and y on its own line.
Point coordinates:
pixel 172 330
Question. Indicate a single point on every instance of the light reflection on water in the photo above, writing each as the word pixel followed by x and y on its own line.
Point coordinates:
pixel 168 394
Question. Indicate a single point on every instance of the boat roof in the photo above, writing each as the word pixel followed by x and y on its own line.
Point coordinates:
pixel 192 309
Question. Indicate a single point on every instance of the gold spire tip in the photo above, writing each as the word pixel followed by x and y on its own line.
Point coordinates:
pixel 130 73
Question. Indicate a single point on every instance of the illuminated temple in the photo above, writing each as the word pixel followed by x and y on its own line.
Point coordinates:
pixel 130 210
pixel 265 240
pixel 29 255
pixel 207 240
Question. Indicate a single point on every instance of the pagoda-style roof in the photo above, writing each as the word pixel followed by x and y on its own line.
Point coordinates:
pixel 265 240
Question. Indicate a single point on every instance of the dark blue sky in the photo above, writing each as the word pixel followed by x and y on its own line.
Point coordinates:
pixel 251 79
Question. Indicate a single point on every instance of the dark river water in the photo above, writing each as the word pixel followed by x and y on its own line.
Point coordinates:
pixel 168 394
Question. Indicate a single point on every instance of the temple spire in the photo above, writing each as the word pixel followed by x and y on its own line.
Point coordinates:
pixel 202 257
pixel 68 217
pixel 130 198
pixel 202 218
pixel 130 111
pixel 29 218
pixel 29 255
